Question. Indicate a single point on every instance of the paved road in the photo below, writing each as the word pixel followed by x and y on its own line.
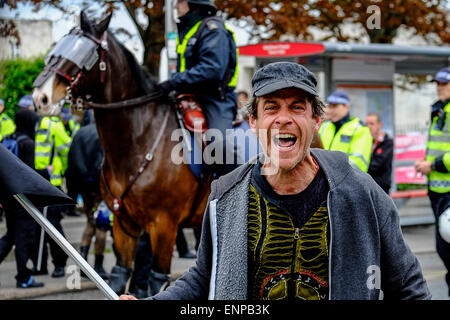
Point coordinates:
pixel 419 237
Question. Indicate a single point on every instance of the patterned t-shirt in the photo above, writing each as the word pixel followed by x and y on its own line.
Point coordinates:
pixel 288 241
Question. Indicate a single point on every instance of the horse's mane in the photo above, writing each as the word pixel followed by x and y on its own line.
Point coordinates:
pixel 144 80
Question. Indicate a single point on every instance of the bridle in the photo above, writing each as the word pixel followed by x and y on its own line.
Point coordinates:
pixel 81 104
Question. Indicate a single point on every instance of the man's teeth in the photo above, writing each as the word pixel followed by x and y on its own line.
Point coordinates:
pixel 284 136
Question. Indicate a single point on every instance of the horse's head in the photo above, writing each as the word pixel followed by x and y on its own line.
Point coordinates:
pixel 77 55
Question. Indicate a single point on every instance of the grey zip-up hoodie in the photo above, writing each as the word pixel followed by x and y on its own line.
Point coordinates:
pixel 369 258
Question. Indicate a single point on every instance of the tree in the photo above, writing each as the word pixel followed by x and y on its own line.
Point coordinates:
pixel 150 28
pixel 16 79
pixel 427 18
pixel 297 19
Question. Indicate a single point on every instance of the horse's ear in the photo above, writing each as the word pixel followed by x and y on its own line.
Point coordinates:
pixel 85 24
pixel 103 25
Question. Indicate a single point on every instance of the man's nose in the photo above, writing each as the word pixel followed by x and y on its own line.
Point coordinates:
pixel 284 116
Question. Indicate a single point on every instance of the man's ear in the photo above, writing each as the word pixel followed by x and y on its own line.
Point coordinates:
pixel 318 122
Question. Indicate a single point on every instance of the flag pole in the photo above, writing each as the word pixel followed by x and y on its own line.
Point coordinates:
pixel 66 246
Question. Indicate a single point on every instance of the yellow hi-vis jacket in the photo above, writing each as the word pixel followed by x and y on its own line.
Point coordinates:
pixel 352 138
pixel 73 128
pixel 438 151
pixel 52 146
pixel 7 126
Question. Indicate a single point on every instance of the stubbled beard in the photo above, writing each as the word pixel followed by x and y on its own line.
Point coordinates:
pixel 274 170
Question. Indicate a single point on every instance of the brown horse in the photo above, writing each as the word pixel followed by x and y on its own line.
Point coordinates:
pixel 139 182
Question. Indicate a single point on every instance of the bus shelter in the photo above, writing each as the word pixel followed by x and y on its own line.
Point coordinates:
pixel 368 73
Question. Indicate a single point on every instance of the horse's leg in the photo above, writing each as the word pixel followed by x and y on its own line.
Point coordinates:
pixel 89 229
pixel 125 235
pixel 100 242
pixel 163 233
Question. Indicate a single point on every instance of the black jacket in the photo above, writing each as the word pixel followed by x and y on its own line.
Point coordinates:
pixel 380 167
pixel 26 121
pixel 85 161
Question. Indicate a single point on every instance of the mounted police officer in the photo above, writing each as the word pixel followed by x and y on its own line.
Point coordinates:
pixel 437 163
pixel 345 133
pixel 206 65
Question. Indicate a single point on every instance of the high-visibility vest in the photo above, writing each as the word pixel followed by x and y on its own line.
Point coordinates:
pixel 52 144
pixel 7 126
pixel 438 145
pixel 352 138
pixel 74 127
pixel 181 49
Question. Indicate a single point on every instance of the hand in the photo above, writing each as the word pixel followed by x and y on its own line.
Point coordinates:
pixel 50 169
pixel 422 166
pixel 127 297
pixel 165 87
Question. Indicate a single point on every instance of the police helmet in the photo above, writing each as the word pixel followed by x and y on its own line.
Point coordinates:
pixel 209 3
pixel 25 101
pixel 103 217
pixel 444 225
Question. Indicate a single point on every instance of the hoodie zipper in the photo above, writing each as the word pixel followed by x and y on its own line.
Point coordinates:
pixel 331 243
pixel 291 284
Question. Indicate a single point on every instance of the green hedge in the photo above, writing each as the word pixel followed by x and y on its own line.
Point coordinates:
pixel 404 186
pixel 16 80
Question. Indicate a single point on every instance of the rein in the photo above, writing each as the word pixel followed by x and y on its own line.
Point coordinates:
pixel 118 201
pixel 81 104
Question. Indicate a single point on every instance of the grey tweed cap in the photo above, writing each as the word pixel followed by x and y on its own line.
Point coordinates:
pixel 281 75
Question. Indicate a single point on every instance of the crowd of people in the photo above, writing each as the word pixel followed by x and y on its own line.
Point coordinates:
pixel 43 144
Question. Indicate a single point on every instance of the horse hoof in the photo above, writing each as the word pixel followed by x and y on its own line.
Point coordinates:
pixel 157 282
pixel 118 279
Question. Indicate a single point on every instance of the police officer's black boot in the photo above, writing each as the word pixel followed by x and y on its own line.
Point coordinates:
pixel 84 251
pixel 98 267
pixel 118 278
pixel 157 282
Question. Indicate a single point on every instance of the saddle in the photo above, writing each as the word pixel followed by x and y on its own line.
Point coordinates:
pixel 192 114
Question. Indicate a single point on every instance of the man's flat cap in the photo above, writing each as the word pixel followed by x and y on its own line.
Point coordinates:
pixel 281 75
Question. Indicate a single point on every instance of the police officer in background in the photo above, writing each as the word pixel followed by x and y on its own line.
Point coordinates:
pixel 7 126
pixel 380 167
pixel 437 163
pixel 345 133
pixel 52 144
pixel 206 66
pixel 69 123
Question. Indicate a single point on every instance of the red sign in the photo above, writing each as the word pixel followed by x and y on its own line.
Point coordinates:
pixel 409 175
pixel 410 146
pixel 281 49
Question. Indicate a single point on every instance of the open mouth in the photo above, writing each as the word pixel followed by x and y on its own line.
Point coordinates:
pixel 284 140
